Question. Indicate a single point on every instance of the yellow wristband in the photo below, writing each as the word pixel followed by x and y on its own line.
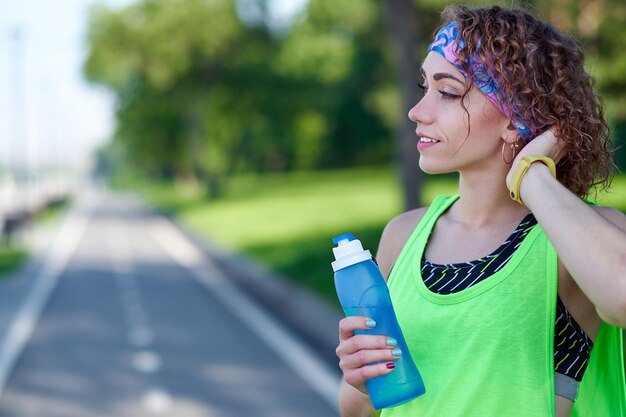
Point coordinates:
pixel 521 169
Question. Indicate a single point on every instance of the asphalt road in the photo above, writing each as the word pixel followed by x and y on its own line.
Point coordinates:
pixel 137 325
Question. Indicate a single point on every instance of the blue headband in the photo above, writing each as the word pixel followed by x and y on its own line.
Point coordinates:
pixel 448 43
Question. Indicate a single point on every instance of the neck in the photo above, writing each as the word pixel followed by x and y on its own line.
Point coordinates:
pixel 485 200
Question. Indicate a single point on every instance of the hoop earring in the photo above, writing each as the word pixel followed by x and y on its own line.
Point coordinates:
pixel 514 147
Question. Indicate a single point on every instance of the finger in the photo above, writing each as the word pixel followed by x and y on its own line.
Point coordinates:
pixel 367 357
pixel 358 376
pixel 348 325
pixel 365 342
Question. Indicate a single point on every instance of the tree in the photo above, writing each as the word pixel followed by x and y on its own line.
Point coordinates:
pixel 408 31
pixel 201 94
pixel 160 58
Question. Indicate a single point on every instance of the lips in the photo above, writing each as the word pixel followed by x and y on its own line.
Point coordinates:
pixel 425 141
pixel 424 138
pixel 428 140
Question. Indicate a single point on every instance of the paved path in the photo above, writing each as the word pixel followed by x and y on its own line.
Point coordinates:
pixel 135 321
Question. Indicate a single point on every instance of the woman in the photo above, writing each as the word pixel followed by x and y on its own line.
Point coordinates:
pixel 512 291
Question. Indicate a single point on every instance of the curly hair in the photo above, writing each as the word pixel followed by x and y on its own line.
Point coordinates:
pixel 541 72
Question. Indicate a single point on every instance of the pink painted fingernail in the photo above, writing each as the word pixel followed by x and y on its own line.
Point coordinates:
pixel 390 365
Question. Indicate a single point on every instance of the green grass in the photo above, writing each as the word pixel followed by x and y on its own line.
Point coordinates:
pixel 294 208
pixel 616 195
pixel 53 212
pixel 287 221
pixel 292 232
pixel 11 257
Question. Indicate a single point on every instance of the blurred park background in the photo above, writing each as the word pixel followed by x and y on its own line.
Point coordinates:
pixel 264 126
pixel 267 125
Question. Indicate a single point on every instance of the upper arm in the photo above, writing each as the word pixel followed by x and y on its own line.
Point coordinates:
pixel 394 237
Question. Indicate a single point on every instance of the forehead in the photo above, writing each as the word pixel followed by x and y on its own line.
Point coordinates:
pixel 435 63
pixel 436 67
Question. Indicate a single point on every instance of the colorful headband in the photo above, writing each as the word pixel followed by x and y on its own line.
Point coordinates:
pixel 448 42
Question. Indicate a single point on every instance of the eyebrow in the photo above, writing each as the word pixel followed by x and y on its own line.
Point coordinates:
pixel 441 75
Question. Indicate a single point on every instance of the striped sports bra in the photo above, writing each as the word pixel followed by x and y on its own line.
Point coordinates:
pixel 572 346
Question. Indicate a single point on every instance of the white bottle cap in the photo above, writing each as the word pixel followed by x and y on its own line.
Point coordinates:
pixel 349 251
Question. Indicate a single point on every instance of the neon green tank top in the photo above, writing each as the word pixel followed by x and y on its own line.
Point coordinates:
pixel 488 350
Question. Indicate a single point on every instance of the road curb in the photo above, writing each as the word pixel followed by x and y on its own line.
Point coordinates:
pixel 17 284
pixel 312 318
pixel 18 329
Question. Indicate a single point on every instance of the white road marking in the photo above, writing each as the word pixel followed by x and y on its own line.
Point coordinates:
pixel 140 336
pixel 157 401
pixel 23 325
pixel 146 361
pixel 301 359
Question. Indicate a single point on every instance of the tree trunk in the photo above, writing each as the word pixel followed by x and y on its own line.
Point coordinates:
pixel 405 33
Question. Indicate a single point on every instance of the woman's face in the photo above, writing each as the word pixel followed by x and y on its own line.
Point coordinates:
pixel 447 142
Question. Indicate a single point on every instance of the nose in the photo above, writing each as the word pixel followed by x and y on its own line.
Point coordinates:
pixel 413 113
pixel 419 113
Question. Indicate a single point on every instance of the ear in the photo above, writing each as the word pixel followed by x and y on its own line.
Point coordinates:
pixel 510 134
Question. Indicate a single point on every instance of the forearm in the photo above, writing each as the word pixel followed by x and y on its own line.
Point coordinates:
pixel 352 402
pixel 592 248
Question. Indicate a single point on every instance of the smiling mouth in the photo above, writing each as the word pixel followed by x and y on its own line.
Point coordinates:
pixel 428 140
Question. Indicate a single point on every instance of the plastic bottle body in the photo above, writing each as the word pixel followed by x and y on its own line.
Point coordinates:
pixel 362 291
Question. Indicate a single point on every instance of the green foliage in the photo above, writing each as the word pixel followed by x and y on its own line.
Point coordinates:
pixel 353 17
pixel 203 96
pixel 325 57
pixel 11 257
pixel 605 47
pixel 172 87
pixel 158 41
pixel 311 128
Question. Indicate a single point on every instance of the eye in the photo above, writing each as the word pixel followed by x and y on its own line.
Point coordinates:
pixel 444 95
pixel 448 96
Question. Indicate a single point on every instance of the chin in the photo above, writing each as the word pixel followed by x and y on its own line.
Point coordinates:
pixel 431 167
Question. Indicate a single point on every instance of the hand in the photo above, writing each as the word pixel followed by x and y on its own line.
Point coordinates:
pixel 358 353
pixel 547 144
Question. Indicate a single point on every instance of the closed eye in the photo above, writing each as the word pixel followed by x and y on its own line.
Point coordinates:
pixel 448 96
pixel 444 95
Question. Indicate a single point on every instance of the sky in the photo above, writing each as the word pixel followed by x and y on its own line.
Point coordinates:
pixel 50 117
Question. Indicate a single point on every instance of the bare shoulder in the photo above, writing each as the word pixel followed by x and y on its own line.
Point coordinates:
pixel 613 216
pixel 395 236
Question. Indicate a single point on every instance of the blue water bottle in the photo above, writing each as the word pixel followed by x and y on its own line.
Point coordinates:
pixel 362 291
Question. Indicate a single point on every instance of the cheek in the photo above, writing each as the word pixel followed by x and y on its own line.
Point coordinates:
pixel 486 119
pixel 458 121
